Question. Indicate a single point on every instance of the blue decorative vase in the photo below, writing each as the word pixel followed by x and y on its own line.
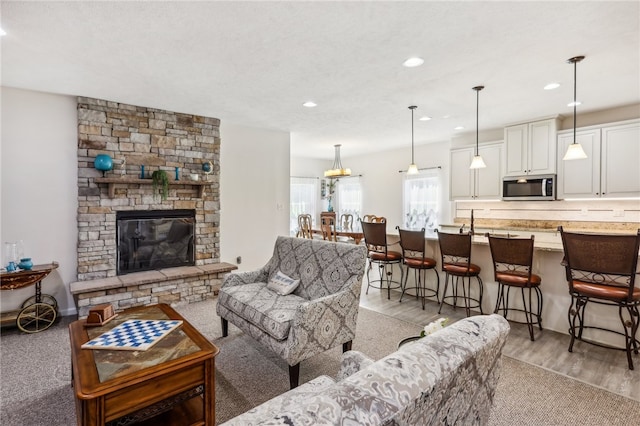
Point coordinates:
pixel 103 162
pixel 207 167
pixel 25 263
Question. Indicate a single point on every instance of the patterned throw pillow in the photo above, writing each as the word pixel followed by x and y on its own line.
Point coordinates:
pixel 282 284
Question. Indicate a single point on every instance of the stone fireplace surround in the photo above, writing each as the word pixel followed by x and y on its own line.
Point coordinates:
pixel 156 139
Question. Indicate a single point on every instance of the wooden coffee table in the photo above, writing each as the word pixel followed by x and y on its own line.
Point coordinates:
pixel 170 383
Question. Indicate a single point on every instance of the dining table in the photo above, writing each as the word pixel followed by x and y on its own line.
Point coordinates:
pixel 356 234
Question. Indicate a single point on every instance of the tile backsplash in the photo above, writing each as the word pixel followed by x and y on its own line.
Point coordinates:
pixel 623 215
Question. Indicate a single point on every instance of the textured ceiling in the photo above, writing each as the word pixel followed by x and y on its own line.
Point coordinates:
pixel 255 63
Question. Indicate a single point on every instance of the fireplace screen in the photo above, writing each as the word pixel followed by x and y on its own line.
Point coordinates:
pixel 154 239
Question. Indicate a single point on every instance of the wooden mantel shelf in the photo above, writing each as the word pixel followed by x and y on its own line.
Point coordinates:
pixel 113 181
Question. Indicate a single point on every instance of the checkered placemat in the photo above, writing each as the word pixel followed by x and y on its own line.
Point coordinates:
pixel 133 335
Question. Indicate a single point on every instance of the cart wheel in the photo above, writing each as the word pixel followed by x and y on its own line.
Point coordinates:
pixel 36 317
pixel 44 298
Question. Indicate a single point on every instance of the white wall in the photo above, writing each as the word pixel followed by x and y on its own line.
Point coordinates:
pixel 39 187
pixel 254 193
pixel 309 167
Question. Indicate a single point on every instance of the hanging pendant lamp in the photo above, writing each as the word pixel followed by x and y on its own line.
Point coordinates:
pixel 413 169
pixel 477 162
pixel 574 151
pixel 337 170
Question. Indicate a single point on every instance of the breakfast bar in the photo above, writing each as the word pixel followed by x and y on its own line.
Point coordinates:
pixel 547 262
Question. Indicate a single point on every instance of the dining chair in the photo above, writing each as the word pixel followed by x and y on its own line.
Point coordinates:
pixel 328 228
pixel 373 218
pixel 375 238
pixel 455 252
pixel 304 226
pixel 346 221
pixel 512 260
pixel 602 269
pixel 414 257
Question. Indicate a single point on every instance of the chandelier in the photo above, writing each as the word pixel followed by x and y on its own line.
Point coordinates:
pixel 337 170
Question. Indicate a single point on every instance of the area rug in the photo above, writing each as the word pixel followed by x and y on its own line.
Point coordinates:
pixel 35 376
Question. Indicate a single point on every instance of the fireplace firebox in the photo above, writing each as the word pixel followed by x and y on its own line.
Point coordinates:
pixel 154 239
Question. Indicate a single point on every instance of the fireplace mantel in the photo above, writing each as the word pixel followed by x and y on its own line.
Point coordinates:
pixel 124 180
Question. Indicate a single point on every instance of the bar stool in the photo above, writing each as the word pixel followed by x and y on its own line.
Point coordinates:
pixel 602 269
pixel 414 257
pixel 375 238
pixel 455 252
pixel 512 267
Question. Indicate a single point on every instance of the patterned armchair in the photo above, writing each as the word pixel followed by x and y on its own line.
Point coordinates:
pixel 449 377
pixel 320 314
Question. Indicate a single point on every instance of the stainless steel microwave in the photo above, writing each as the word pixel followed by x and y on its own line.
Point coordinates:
pixel 529 188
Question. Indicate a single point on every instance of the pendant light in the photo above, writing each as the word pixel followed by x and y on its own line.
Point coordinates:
pixel 574 151
pixel 477 162
pixel 413 169
pixel 337 170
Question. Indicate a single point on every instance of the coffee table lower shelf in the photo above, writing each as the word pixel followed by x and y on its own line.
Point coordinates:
pixel 188 413
pixel 182 409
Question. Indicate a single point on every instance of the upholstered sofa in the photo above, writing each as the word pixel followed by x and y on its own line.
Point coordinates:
pixel 320 314
pixel 446 378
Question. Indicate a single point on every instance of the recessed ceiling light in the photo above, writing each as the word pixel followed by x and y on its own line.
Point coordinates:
pixel 551 86
pixel 446 116
pixel 458 128
pixel 310 104
pixel 425 118
pixel 413 62
pixel 576 103
pixel 2 32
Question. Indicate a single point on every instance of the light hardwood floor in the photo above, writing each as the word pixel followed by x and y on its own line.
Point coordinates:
pixel 604 368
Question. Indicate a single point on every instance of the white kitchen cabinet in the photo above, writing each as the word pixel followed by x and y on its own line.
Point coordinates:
pixel 530 148
pixel 579 178
pixel 468 184
pixel 620 153
pixel 461 178
pixel 611 167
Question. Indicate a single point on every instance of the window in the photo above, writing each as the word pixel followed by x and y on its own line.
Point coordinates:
pixel 421 200
pixel 303 196
pixel 350 197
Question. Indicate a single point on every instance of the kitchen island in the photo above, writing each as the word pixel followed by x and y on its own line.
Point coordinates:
pixel 547 262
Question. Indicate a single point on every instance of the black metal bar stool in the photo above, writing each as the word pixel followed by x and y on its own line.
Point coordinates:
pixel 414 257
pixel 375 238
pixel 512 268
pixel 602 268
pixel 455 252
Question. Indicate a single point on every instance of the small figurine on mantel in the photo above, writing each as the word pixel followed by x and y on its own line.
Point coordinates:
pixel 123 166
pixel 207 168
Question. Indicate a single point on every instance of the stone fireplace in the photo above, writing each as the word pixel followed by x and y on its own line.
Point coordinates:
pixel 147 240
pixel 138 138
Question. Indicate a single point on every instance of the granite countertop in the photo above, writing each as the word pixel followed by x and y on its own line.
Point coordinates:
pixel 545 238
